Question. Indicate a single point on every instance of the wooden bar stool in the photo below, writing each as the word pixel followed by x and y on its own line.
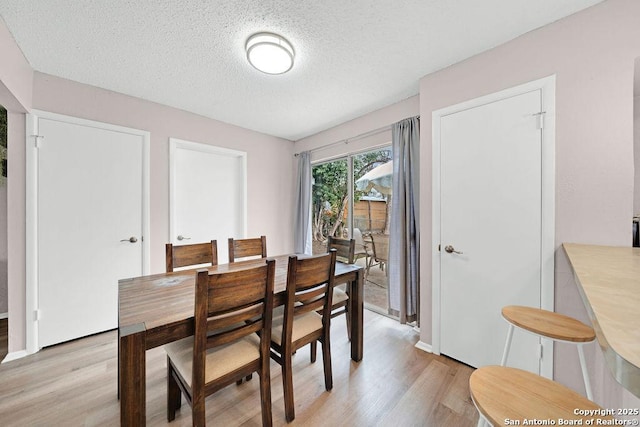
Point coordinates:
pixel 503 394
pixel 549 324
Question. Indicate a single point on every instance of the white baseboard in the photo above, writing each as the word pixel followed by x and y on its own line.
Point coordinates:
pixel 424 346
pixel 416 329
pixel 4 315
pixel 15 355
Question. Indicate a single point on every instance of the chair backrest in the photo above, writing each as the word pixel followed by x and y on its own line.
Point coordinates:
pixel 194 254
pixel 242 248
pixel 361 246
pixel 309 288
pixel 380 243
pixel 229 306
pixel 345 248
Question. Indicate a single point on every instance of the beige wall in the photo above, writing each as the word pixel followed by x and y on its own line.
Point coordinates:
pixel 15 74
pixel 636 148
pixel 16 78
pixel 4 253
pixel 16 215
pixel 354 128
pixel 269 181
pixel 592 54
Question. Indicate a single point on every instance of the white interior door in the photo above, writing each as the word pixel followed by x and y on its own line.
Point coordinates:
pixel 89 225
pixel 491 211
pixel 208 194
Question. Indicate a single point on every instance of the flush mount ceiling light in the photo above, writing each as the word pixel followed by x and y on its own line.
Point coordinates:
pixel 270 53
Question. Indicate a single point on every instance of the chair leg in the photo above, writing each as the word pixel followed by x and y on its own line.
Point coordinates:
pixel 313 351
pixel 118 364
pixel 198 414
pixel 287 385
pixel 247 378
pixel 585 374
pixel 174 395
pixel 347 316
pixel 367 267
pixel 265 395
pixel 507 346
pixel 326 359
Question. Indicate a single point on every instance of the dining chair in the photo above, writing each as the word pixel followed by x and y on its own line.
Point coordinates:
pixel 362 251
pixel 345 251
pixel 380 245
pixel 298 323
pixel 193 254
pixel 242 248
pixel 183 256
pixel 245 248
pixel 233 315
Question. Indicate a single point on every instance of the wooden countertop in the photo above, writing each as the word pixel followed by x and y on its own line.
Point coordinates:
pixel 609 282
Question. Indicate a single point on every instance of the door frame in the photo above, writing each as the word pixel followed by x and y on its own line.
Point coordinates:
pixel 32 249
pixel 180 144
pixel 547 87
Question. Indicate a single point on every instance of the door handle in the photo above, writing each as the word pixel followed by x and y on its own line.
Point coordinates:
pixel 131 239
pixel 449 249
pixel 181 237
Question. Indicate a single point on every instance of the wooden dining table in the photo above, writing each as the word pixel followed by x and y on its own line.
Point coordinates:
pixel 158 309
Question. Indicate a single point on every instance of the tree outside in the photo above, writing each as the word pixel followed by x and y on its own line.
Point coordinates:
pixel 331 195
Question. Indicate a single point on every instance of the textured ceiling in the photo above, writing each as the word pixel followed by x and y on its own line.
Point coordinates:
pixel 352 57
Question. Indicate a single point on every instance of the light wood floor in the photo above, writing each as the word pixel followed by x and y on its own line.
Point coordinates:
pixel 74 384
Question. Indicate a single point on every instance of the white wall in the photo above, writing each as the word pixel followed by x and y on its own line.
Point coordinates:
pixel 592 54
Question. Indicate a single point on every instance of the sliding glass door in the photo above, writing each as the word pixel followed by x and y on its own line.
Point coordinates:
pixel 352 199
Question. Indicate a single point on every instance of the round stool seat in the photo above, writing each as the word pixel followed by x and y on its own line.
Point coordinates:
pixel 502 394
pixel 548 324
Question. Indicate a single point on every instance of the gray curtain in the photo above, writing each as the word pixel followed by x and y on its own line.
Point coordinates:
pixel 302 214
pixel 404 254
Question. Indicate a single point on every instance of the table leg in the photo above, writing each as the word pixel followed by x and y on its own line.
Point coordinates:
pixel 132 376
pixel 356 312
pixel 118 362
